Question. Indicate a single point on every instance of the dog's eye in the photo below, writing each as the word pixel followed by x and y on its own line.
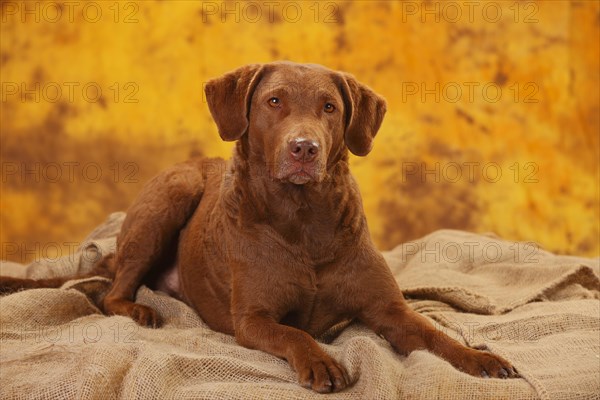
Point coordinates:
pixel 274 102
pixel 329 108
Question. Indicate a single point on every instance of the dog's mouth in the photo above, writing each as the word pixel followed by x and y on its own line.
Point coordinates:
pixel 298 173
pixel 300 178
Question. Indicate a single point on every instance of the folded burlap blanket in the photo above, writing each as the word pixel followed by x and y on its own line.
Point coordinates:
pixel 538 310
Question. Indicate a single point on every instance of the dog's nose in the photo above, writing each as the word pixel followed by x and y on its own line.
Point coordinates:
pixel 304 150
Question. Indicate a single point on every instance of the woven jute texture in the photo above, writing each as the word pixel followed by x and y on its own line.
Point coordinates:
pixel 538 310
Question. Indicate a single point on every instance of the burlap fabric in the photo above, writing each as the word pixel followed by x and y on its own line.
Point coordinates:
pixel 538 310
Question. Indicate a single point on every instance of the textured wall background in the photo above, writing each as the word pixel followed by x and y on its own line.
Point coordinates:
pixel 493 121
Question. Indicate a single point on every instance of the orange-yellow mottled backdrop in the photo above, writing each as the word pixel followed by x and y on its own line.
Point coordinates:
pixel 493 118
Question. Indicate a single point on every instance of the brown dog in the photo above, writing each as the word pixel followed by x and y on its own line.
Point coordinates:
pixel 273 246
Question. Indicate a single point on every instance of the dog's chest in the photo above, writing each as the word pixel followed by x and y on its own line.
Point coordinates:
pixel 314 308
pixel 314 237
pixel 312 285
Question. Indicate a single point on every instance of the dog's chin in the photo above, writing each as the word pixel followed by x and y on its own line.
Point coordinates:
pixel 298 175
pixel 300 178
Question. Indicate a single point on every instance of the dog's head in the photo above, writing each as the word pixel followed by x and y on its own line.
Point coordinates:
pixel 298 118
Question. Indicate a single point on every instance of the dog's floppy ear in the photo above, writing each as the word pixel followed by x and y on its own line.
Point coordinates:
pixel 365 110
pixel 229 99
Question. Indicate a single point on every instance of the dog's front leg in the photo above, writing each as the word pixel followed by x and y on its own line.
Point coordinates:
pixel 406 330
pixel 316 370
pixel 382 307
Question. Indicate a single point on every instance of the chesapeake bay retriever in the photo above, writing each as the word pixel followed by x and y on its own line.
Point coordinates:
pixel 272 246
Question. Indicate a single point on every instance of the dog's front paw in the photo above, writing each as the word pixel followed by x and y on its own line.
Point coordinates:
pixel 486 365
pixel 321 373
